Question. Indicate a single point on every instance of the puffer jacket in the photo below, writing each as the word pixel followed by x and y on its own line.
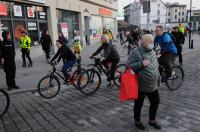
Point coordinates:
pixel 148 77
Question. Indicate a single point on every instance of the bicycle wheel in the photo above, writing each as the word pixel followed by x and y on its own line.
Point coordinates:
pixel 4 102
pixel 48 87
pixel 118 72
pixel 89 82
pixel 124 51
pixel 75 76
pixel 176 81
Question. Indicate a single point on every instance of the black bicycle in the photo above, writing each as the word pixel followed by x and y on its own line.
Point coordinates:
pixel 4 102
pixel 49 86
pixel 92 76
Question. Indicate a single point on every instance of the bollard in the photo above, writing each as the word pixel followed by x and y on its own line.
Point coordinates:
pixel 191 44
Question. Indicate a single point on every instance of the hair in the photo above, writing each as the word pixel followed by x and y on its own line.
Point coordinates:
pixel 159 26
pixel 105 36
pixel 147 37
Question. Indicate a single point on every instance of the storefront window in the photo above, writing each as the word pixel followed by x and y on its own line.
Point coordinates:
pixel 4 10
pixel 67 22
pixel 95 27
pixel 33 32
pixel 41 12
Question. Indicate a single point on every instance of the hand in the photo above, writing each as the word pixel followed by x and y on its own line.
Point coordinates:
pixel 145 62
pixel 102 59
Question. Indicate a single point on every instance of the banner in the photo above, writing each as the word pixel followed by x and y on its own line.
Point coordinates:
pixel 64 29
pixel 17 10
pixel 31 11
pixel 3 9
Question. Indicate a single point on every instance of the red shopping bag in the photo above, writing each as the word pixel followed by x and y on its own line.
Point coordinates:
pixel 129 86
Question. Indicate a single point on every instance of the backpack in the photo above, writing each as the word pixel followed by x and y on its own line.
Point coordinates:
pixel 172 37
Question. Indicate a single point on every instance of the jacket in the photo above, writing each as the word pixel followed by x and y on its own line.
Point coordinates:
pixel 25 42
pixel 46 41
pixel 179 38
pixel 7 49
pixel 148 77
pixel 110 53
pixel 129 39
pixel 63 40
pixel 64 53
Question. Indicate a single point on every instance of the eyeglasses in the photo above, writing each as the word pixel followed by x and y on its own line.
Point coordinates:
pixel 157 30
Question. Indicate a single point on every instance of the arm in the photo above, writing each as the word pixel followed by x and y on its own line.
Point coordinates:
pixel 98 51
pixel 28 42
pixel 135 61
pixel 107 52
pixel 55 56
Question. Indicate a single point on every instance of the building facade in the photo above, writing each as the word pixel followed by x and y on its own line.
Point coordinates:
pixel 176 13
pixel 156 16
pixel 87 16
pixel 195 19
pixel 127 11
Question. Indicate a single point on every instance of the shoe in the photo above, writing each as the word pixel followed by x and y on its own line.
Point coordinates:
pixel 24 65
pixel 110 85
pixel 155 125
pixel 139 125
pixel 16 87
pixel 10 88
pixel 30 65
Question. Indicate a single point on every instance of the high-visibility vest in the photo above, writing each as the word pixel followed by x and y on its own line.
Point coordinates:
pixel 25 42
pixel 181 29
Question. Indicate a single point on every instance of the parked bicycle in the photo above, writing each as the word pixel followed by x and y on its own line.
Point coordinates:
pixel 4 102
pixel 49 86
pixel 93 76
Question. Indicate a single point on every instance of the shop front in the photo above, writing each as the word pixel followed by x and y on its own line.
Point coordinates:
pixel 16 17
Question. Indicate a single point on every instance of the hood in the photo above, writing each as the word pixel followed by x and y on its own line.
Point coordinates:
pixel 4 34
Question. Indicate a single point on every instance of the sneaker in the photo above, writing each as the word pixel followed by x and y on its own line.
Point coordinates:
pixel 16 87
pixel 139 125
pixel 24 65
pixel 10 88
pixel 30 65
pixel 155 125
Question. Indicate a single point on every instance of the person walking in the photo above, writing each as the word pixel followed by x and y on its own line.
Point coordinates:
pixel 62 38
pixel 46 44
pixel 25 49
pixel 121 37
pixel 143 61
pixel 179 41
pixel 129 39
pixel 8 55
pixel 136 36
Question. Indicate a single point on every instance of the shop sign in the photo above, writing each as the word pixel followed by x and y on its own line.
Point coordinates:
pixel 32 26
pixel 42 15
pixel 104 11
pixel 31 11
pixel 38 1
pixel 64 29
pixel 17 10
pixel 3 10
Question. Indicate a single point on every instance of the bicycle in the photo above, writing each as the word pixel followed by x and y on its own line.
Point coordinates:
pixel 125 49
pixel 52 82
pixel 93 76
pixel 4 102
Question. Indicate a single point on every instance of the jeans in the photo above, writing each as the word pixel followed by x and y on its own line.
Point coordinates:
pixel 167 60
pixel 154 102
pixel 66 66
pixel 179 53
pixel 47 52
pixel 26 54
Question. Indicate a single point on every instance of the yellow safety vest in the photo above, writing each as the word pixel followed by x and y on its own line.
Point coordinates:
pixel 181 29
pixel 25 42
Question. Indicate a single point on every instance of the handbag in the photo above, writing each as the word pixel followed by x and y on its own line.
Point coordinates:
pixel 129 86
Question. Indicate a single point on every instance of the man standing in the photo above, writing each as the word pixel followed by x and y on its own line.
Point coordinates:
pixel 46 44
pixel 25 49
pixel 179 41
pixel 8 55
pixel 143 61
pixel 136 36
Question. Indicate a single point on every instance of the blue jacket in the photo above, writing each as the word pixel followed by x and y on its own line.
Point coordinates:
pixel 166 43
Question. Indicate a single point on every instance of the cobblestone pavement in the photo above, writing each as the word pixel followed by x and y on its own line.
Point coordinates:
pixel 179 111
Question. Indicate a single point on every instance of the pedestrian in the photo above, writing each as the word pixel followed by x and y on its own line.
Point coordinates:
pixel 25 46
pixel 110 56
pixel 62 38
pixel 179 41
pixel 143 61
pixel 136 36
pixel 8 55
pixel 77 44
pixel 65 53
pixel 121 34
pixel 46 44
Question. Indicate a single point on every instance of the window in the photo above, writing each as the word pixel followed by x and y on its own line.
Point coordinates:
pixel 183 20
pixel 168 13
pixel 158 4
pixel 179 20
pixel 168 20
pixel 183 13
pixel 175 10
pixel 179 13
pixel 153 0
pixel 175 16
pixel 158 12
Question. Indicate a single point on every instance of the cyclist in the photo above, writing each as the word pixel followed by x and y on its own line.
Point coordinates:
pixel 65 53
pixel 168 50
pixel 129 39
pixel 109 33
pixel 110 55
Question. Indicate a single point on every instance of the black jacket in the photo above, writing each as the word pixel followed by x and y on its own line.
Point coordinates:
pixel 129 39
pixel 64 53
pixel 63 40
pixel 179 38
pixel 46 41
pixel 135 36
pixel 110 53
pixel 7 49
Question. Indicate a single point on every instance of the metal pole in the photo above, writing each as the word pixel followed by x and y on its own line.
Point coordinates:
pixel 190 23
pixel 148 14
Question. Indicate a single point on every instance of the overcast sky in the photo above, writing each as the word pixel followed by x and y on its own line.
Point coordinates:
pixel 196 3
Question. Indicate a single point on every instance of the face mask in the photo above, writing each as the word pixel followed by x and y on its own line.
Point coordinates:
pixel 150 46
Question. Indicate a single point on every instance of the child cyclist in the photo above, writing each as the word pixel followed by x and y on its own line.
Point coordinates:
pixel 65 53
pixel 77 45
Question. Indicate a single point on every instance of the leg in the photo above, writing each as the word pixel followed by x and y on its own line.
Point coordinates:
pixel 66 66
pixel 28 56
pixel 47 51
pixel 179 49
pixel 23 56
pixel 154 102
pixel 167 60
pixel 8 69
pixel 113 68
pixel 138 106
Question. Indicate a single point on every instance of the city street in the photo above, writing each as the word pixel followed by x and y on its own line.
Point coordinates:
pixel 70 110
